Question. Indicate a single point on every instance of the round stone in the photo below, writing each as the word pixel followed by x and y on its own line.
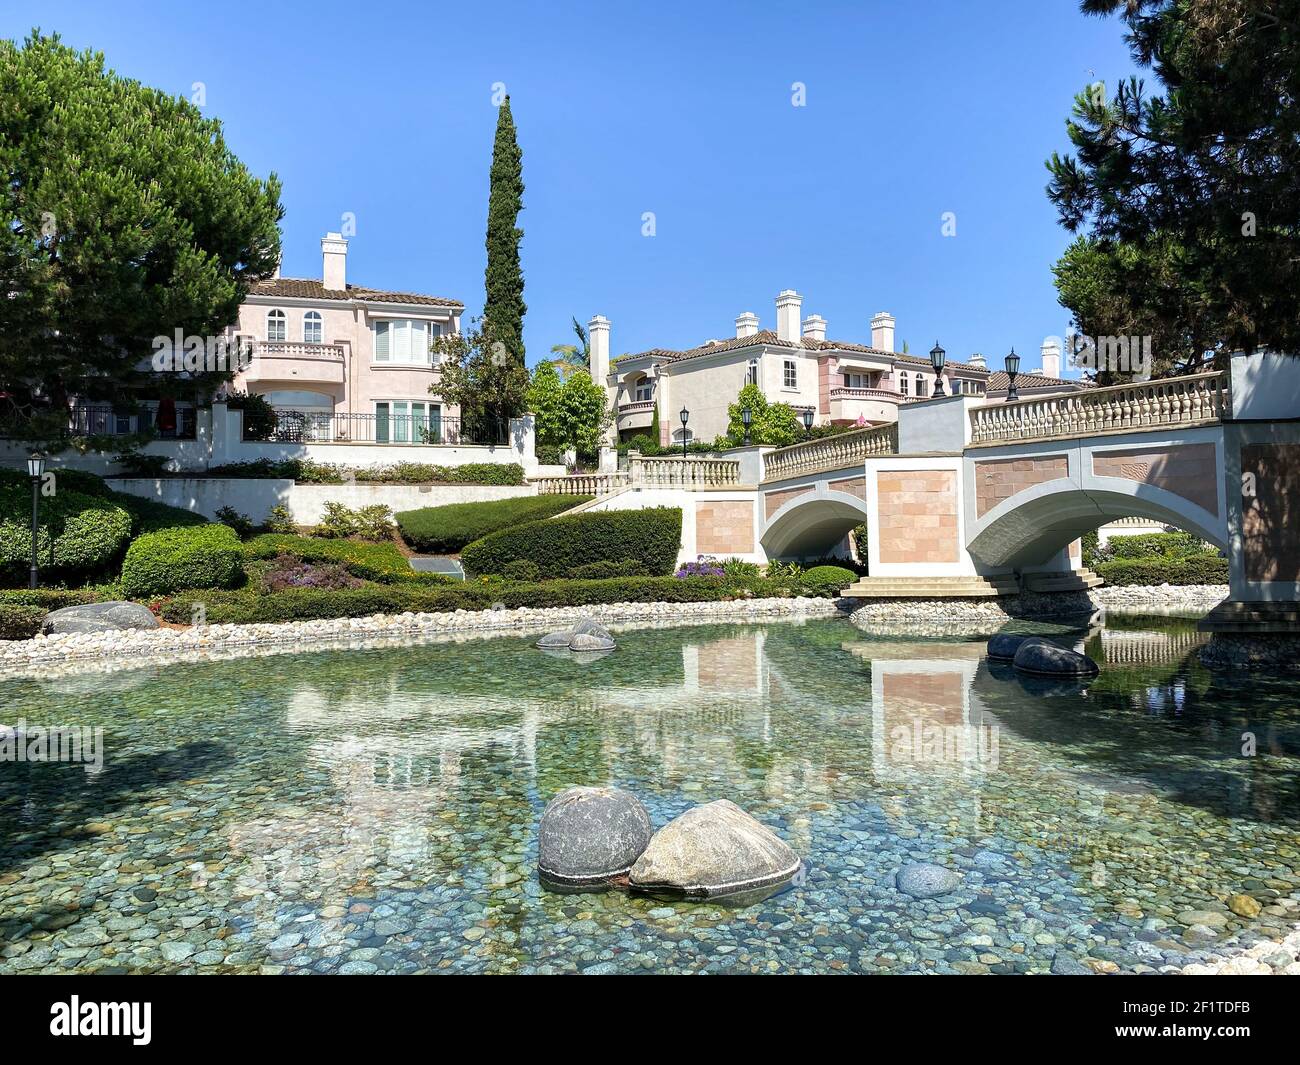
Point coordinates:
pixel 1047 659
pixel 922 880
pixel 1004 645
pixel 591 835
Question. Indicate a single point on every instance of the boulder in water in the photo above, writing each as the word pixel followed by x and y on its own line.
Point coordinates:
pixel 922 880
pixel 586 635
pixel 1047 659
pixel 590 836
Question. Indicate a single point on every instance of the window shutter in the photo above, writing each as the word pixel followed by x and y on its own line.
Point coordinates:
pixel 381 344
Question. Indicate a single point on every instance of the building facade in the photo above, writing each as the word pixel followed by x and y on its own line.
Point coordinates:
pixel 840 382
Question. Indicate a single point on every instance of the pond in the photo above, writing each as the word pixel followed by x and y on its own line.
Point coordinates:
pixel 376 811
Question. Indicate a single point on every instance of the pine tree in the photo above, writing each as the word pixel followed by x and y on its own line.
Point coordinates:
pixel 504 307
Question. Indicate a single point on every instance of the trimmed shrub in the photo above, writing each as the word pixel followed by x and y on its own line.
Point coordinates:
pixel 558 545
pixel 174 560
pixel 447 529
pixel 20 622
pixel 383 563
pixel 49 598
pixel 1200 568
pixel 521 569
pixel 241 523
pixel 148 515
pixel 1155 545
pixel 594 571
pixel 80 535
pixel 832 577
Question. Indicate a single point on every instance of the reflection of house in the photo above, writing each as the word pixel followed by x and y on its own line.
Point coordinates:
pixel 841 382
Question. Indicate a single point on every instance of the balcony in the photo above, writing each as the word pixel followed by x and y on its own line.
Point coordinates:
pixel 874 405
pixel 636 414
pixel 276 362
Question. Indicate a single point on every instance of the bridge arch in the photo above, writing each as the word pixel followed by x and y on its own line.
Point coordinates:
pixel 813 524
pixel 1031 527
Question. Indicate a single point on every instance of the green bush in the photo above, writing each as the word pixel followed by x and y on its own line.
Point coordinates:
pixel 80 535
pixel 521 569
pixel 280 520
pixel 1200 568
pixel 594 571
pixel 1155 545
pixel 174 560
pixel 447 529
pixel 558 545
pixel 20 622
pixel 383 563
pixel 831 577
pixel 48 598
pixel 259 415
pixel 241 523
pixel 148 515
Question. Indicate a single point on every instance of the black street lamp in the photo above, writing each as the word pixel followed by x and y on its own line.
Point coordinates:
pixel 1013 368
pixel 937 358
pixel 36 471
pixel 807 417
pixel 746 416
pixel 685 417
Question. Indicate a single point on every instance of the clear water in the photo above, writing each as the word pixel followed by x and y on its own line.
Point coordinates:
pixel 364 811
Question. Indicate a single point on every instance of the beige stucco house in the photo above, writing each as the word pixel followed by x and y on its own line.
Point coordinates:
pixel 343 362
pixel 841 382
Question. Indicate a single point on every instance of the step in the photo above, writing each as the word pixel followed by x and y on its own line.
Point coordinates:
pixel 931 587
pixel 1228 616
pixel 1076 581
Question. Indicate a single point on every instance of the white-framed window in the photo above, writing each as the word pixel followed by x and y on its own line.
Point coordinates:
pixel 312 328
pixel 681 436
pixel 644 390
pixel 790 374
pixel 403 341
pixel 920 387
pixel 902 384
pixel 405 421
pixel 856 380
pixel 277 328
pixel 751 372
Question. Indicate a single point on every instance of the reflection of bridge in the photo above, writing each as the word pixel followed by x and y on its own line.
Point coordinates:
pixel 1136 648
pixel 979 498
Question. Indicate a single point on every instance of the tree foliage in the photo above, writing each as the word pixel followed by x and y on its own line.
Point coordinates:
pixel 570 357
pixel 480 376
pixel 771 423
pixel 573 413
pixel 1190 200
pixel 504 306
pixel 125 217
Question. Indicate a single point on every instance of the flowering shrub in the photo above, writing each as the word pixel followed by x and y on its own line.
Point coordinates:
pixel 287 572
pixel 704 566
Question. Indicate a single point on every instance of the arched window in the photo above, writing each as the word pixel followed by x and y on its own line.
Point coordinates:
pixel 751 372
pixel 920 387
pixel 643 390
pixel 276 326
pixel 903 382
pixel 311 328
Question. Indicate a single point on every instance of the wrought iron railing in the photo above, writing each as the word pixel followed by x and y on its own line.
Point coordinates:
pixel 1173 401
pixel 330 427
pixel 124 420
pixel 838 452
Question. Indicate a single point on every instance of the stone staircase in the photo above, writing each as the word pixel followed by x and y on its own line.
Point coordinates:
pixel 1079 580
pixel 933 587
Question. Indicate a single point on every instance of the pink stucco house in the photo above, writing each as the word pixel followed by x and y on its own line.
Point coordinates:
pixel 341 362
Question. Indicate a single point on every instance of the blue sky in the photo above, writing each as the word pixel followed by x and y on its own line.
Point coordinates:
pixel 680 109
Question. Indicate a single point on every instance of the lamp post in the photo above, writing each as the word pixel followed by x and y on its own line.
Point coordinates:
pixel 937 358
pixel 1013 368
pixel 746 417
pixel 807 417
pixel 685 416
pixel 36 471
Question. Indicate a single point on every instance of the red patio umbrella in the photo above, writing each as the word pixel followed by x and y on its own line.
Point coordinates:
pixel 166 419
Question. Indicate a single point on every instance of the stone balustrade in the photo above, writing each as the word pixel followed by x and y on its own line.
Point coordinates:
pixel 1198 399
pixel 831 452
pixel 581 484
pixel 683 472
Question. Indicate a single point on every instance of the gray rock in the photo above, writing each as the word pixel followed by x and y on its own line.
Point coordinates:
pixel 1043 658
pixel 99 617
pixel 1064 965
pixel 715 849
pixel 1004 645
pixel 586 635
pixel 591 835
pixel 176 952
pixel 922 880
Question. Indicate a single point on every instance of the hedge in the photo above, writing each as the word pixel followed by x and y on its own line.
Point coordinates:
pixel 148 515
pixel 305 471
pixel 173 560
pixel 559 545
pixel 245 606
pixel 80 535
pixel 834 577
pixel 447 529
pixel 1203 568
pixel 20 622
pixel 372 561
pixel 1149 545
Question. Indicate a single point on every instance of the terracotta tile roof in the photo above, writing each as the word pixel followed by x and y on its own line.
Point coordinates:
pixel 311 289
pixel 1000 382
pixel 769 338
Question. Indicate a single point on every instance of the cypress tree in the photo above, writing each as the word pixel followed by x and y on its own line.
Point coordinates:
pixel 504 306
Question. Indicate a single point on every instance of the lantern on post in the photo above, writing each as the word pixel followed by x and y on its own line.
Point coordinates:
pixel 937 358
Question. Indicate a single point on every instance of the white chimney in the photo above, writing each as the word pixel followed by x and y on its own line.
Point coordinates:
pixel 334 252
pixel 787 315
pixel 746 324
pixel 882 331
pixel 598 335
pixel 1051 352
pixel 977 360
pixel 814 328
